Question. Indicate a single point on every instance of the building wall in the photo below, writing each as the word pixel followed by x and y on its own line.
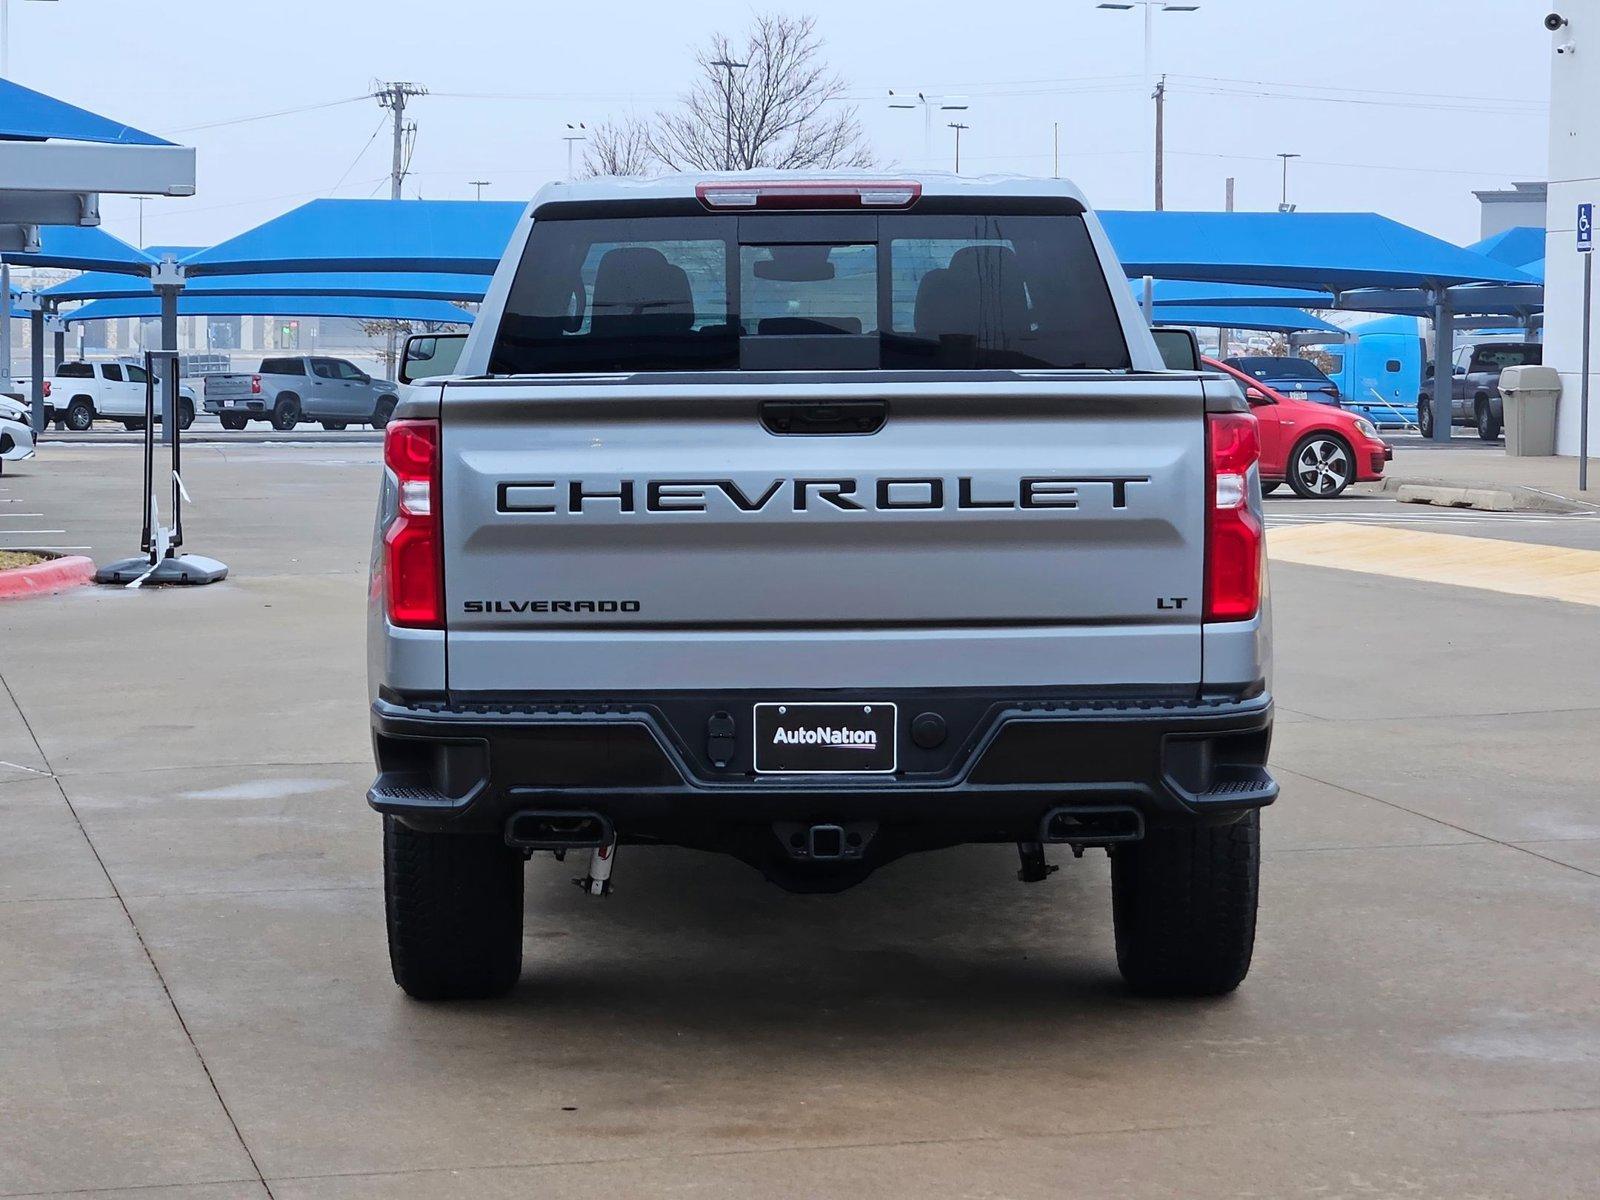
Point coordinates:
pixel 1521 205
pixel 1574 179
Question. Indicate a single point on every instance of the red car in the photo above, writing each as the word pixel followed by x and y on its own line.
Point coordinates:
pixel 1317 449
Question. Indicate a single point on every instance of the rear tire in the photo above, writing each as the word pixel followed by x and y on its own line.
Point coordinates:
pixel 333 426
pixel 1184 905
pixel 1424 417
pixel 185 414
pixel 230 422
pixel 286 413
pixel 454 905
pixel 1268 488
pixel 383 411
pixel 1488 424
pixel 80 415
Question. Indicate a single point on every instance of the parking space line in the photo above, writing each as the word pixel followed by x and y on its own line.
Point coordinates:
pixel 1514 568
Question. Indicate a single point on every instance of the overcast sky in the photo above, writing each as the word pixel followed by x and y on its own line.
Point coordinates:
pixel 1398 106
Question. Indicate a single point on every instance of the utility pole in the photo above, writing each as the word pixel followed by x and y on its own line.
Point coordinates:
pixel 393 96
pixel 141 200
pixel 1161 116
pixel 480 184
pixel 1055 136
pixel 728 65
pixel 958 127
pixel 1224 336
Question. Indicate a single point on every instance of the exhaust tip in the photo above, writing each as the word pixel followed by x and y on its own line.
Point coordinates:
pixel 1092 826
pixel 542 830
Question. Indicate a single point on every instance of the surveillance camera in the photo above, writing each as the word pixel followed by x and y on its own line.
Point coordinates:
pixel 1554 22
pixel 1567 48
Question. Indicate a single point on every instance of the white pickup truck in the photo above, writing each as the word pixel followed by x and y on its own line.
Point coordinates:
pixel 80 393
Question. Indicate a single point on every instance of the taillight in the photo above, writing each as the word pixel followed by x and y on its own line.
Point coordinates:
pixel 46 387
pixel 809 193
pixel 1235 547
pixel 255 385
pixel 413 567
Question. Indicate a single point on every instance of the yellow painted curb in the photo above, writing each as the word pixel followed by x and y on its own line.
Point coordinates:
pixel 1515 568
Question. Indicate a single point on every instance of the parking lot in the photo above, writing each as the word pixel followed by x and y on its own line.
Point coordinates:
pixel 191 928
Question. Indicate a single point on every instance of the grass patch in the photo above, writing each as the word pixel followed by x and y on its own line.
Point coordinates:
pixel 21 558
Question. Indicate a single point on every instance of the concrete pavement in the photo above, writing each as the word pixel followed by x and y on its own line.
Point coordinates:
pixel 196 1000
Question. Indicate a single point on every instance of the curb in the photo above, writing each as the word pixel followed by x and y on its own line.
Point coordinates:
pixel 55 575
pixel 1483 499
pixel 1505 498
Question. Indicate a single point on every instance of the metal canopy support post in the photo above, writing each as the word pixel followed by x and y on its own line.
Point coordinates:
pixel 58 336
pixel 167 277
pixel 1444 383
pixel 5 327
pixel 36 362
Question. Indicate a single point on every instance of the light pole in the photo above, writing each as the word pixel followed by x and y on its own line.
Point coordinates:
pixel 958 127
pixel 728 65
pixel 575 133
pixel 1283 201
pixel 927 104
pixel 141 200
pixel 480 184
pixel 5 37
pixel 1158 89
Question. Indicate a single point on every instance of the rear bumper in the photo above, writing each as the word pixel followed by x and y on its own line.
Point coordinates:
pixel 645 765
pixel 255 405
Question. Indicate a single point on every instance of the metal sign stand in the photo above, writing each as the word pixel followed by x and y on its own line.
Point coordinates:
pixel 161 562
pixel 1585 238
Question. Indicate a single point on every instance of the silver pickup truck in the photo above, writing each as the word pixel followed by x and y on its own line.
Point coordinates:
pixel 286 391
pixel 818 520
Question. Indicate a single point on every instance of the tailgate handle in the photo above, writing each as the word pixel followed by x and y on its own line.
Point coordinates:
pixel 835 417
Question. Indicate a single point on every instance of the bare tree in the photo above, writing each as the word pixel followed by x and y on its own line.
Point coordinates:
pixel 618 148
pixel 780 108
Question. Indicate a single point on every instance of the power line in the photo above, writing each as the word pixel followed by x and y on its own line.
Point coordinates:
pixel 267 116
pixel 365 146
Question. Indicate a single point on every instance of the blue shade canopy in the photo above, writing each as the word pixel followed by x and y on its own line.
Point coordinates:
pixel 453 236
pixel 1219 316
pixel 85 248
pixel 1515 247
pixel 30 116
pixel 98 285
pixel 372 308
pixel 1319 251
pixel 1186 292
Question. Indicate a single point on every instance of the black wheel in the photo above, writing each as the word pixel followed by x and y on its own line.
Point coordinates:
pixel 80 414
pixel 232 422
pixel 1321 466
pixel 286 413
pixel 1267 488
pixel 384 410
pixel 1488 423
pixel 185 414
pixel 454 904
pixel 333 426
pixel 1184 906
pixel 1424 417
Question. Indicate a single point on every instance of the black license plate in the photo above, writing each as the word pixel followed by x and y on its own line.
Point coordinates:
pixel 825 738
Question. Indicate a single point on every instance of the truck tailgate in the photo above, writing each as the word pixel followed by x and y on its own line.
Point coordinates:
pixel 229 387
pixel 1032 532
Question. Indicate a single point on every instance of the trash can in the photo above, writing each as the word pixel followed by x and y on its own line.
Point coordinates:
pixel 1529 396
